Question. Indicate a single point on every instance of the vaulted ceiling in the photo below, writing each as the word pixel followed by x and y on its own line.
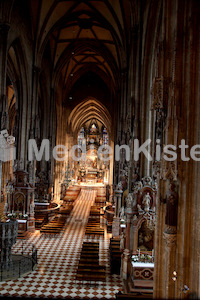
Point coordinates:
pixel 82 36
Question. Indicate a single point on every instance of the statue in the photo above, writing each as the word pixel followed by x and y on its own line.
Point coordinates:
pixel 122 240
pixel 129 201
pixel 146 201
pixel 119 186
pixel 171 201
pixel 122 212
pixel 21 164
pixel 32 208
pixel 137 186
pixel 5 208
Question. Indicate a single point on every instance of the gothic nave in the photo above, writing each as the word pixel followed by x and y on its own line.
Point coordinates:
pixel 99 149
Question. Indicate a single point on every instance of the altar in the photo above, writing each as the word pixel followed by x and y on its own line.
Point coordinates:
pixel 142 272
pixel 91 175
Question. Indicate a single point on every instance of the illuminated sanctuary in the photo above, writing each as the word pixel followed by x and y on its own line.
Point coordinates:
pixel 84 84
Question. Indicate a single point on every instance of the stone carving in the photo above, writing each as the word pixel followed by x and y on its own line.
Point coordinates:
pixel 119 186
pixel 171 201
pixel 122 213
pixel 129 201
pixel 135 218
pixel 5 208
pixel 5 120
pixel 159 92
pixel 18 165
pixel 170 239
pixel 147 180
pixel 137 186
pixel 146 201
pixel 31 171
pixel 32 208
pixel 170 170
pixel 8 236
pixel 122 241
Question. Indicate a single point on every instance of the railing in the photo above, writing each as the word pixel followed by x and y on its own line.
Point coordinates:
pixel 24 259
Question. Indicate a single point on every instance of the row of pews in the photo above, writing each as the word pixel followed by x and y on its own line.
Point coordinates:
pixel 115 256
pixel 100 199
pixel 93 226
pixel 71 194
pixel 57 223
pixel 41 218
pixel 88 267
pixel 55 226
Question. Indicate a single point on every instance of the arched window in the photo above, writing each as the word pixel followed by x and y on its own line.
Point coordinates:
pixel 105 136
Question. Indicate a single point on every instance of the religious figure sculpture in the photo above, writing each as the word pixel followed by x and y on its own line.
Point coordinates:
pixel 146 201
pixel 5 208
pixel 119 186
pixel 32 208
pixel 171 201
pixel 122 212
pixel 129 201
pixel 122 240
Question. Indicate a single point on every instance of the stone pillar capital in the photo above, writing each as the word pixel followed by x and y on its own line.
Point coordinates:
pixel 170 239
pixel 129 217
pixel 126 253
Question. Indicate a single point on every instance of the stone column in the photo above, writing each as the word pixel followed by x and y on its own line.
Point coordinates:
pixel 31 219
pixel 4 29
pixel 125 260
pixel 170 264
pixel 116 219
pixel 134 237
pixel 118 201
pixel 128 225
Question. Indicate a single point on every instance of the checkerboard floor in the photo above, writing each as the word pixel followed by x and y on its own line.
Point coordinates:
pixel 58 258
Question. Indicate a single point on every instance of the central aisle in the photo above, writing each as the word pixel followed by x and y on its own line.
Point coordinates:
pixel 58 258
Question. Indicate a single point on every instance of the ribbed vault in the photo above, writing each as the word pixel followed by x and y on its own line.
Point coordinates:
pixel 86 110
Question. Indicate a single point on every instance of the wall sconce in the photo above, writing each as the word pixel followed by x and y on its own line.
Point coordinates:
pixel 174 278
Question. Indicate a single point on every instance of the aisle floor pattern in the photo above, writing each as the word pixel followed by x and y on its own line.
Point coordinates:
pixel 58 257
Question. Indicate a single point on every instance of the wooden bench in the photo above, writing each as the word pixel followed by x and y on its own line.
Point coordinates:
pixel 89 246
pixel 85 247
pixel 136 295
pixel 90 271
pixel 93 277
pixel 85 260
pixel 88 265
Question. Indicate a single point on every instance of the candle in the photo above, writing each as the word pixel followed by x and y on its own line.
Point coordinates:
pixel 139 251
pixel 152 252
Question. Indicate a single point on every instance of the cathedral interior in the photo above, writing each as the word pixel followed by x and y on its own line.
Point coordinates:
pixel 82 84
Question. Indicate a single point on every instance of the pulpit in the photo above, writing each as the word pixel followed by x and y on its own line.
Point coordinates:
pixel 20 200
pixel 8 236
